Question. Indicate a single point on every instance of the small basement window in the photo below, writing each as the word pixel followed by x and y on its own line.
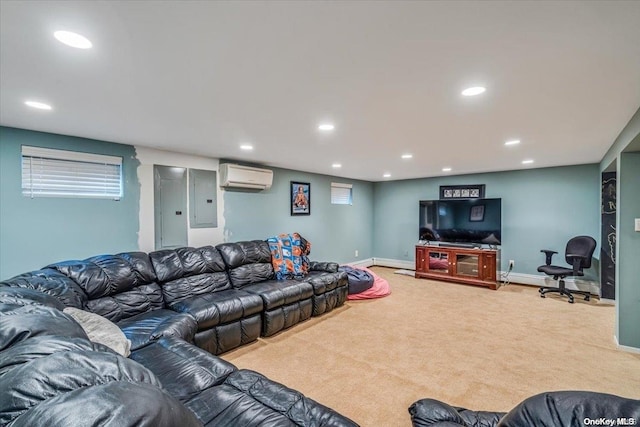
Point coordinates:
pixel 59 173
pixel 341 194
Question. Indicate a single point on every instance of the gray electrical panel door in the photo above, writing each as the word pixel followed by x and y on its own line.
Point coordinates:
pixel 170 205
pixel 203 206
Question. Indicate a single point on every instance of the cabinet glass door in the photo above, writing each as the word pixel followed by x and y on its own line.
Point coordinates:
pixel 467 265
pixel 438 262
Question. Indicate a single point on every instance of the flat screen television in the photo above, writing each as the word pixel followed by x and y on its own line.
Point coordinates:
pixel 463 221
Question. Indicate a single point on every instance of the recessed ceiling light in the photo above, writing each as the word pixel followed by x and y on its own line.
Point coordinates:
pixel 73 39
pixel 386 175
pixel 407 156
pixel 446 169
pixel 527 162
pixel 512 142
pixel 473 91
pixel 38 105
pixel 336 165
pixel 326 127
pixel 246 147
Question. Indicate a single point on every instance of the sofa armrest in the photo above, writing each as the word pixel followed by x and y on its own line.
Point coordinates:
pixel 52 283
pixel 429 412
pixel 329 267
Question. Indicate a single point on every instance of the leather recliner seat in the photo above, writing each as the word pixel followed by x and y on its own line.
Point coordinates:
pixel 330 286
pixel 286 302
pixel 195 281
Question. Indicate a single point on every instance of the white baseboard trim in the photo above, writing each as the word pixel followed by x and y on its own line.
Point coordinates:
pixel 394 263
pixel 367 262
pixel 626 347
pixel 570 283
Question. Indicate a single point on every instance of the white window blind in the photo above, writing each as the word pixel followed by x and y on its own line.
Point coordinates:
pixel 59 173
pixel 341 194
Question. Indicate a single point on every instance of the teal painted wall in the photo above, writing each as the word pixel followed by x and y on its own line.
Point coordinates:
pixel 36 232
pixel 335 231
pixel 541 209
pixel 628 250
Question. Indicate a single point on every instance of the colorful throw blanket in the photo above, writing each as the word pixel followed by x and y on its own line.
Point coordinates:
pixel 289 256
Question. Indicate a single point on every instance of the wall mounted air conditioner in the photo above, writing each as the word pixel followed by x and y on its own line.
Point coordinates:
pixel 238 176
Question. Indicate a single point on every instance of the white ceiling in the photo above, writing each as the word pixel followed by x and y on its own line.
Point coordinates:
pixel 203 77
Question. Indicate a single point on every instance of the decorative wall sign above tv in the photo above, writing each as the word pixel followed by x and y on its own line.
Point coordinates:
pixel 461 191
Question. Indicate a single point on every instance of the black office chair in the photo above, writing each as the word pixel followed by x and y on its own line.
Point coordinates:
pixel 578 253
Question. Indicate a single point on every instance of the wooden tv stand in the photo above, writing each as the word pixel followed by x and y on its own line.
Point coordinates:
pixel 461 265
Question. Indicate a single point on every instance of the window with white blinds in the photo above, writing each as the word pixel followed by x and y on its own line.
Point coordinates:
pixel 59 173
pixel 341 194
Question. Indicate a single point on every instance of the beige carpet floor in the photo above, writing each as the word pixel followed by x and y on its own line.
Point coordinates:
pixel 468 346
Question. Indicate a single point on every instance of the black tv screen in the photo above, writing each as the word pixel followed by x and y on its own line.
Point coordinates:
pixel 468 221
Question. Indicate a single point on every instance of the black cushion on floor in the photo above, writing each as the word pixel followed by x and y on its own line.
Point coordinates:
pixel 359 280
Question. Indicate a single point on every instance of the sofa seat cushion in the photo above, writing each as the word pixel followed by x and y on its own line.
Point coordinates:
pixel 323 282
pixel 276 293
pixel 248 399
pixel 218 308
pixel 183 369
pixel 149 326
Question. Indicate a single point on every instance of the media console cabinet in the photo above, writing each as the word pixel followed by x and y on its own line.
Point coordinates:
pixel 462 265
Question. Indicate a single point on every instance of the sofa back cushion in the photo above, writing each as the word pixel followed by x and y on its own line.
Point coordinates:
pixel 51 282
pixel 118 286
pixel 247 262
pixel 186 272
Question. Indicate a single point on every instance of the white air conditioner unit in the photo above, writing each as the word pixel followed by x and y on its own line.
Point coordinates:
pixel 239 176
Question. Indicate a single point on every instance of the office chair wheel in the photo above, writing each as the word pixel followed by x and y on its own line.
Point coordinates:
pixel 570 300
pixel 540 290
pixel 587 298
pixel 541 295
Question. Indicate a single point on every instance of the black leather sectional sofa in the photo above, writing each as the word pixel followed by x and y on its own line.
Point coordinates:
pixel 217 298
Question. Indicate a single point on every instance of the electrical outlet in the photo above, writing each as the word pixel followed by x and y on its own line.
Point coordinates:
pixel 511 264
pixel 356 253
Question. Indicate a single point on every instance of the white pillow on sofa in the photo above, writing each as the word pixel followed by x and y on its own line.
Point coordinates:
pixel 101 330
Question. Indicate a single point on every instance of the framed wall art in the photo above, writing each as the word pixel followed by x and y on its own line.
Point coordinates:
pixel 300 198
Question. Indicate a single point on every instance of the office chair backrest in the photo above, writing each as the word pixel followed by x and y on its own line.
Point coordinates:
pixel 581 245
